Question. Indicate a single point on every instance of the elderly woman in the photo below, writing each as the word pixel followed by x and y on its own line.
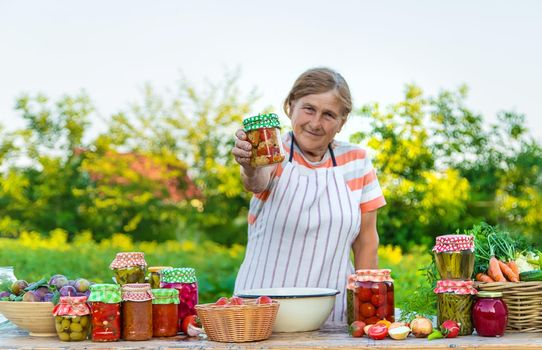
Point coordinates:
pixel 321 201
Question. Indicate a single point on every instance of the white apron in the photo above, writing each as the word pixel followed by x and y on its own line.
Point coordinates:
pixel 302 236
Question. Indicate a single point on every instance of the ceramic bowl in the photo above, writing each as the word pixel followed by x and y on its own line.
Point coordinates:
pixel 36 318
pixel 301 309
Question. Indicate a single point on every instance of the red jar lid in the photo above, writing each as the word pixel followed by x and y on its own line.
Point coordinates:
pixel 374 275
pixel 130 259
pixel 136 292
pixel 72 306
pixel 456 287
pixel 453 243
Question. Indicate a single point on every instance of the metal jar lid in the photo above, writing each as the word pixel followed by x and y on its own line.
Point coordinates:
pixel 488 294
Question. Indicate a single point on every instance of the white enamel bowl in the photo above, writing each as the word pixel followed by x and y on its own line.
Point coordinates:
pixel 301 309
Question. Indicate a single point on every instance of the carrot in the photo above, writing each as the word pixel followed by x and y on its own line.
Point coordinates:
pixel 494 270
pixel 482 277
pixel 507 272
pixel 512 264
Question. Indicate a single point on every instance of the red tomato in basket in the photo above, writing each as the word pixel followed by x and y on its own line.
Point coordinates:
pixel 222 301
pixel 264 299
pixel 236 301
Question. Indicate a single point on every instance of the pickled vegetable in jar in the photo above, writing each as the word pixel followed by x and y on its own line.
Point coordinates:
pixel 129 267
pixel 154 275
pixel 105 302
pixel 72 318
pixel 373 296
pixel 454 256
pixel 490 314
pixel 165 312
pixel 184 280
pixel 136 311
pixel 263 132
pixel 454 302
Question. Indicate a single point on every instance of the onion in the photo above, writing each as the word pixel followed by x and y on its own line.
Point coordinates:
pixel 421 327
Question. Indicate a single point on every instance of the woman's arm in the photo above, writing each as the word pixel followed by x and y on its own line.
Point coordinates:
pixel 254 179
pixel 365 245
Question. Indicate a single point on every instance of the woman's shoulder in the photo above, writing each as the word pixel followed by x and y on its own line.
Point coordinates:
pixel 346 152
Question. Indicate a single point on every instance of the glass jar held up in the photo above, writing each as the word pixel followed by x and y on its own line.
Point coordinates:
pixel 129 267
pixel 263 132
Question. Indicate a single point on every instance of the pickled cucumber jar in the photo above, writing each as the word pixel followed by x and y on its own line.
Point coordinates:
pixel 372 297
pixel 129 268
pixel 455 300
pixel 154 275
pixel 104 300
pixel 454 256
pixel 72 318
pixel 184 280
pixel 136 311
pixel 263 132
pixel 165 313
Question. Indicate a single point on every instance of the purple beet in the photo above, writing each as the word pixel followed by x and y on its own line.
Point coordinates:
pixel 18 287
pixel 31 296
pixel 58 281
pixel 81 285
pixel 48 297
pixel 67 291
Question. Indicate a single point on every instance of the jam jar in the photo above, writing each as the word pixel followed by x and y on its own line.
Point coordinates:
pixel 129 267
pixel 263 132
pixel 184 280
pixel 72 318
pixel 454 257
pixel 490 314
pixel 372 296
pixel 165 313
pixel 154 275
pixel 104 302
pixel 136 311
pixel 454 302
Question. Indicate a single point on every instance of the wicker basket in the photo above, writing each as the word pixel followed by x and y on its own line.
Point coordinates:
pixel 238 323
pixel 524 302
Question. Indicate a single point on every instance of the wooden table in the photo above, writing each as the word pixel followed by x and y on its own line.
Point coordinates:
pixel 15 338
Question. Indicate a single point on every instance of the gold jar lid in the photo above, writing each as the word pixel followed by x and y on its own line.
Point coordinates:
pixel 487 294
pixel 158 268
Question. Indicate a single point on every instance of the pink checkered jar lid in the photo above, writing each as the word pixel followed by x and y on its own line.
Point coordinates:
pixel 128 259
pixel 136 292
pixel 455 287
pixel 454 243
pixel 71 306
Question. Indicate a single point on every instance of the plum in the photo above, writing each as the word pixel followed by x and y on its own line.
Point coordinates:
pixel 18 287
pixel 31 296
pixel 41 291
pixel 67 291
pixel 81 285
pixel 58 281
pixel 4 295
pixel 48 297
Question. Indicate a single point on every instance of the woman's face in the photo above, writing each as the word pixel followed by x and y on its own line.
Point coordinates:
pixel 316 119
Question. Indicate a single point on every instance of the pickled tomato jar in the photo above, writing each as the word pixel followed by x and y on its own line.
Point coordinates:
pixel 184 280
pixel 165 313
pixel 129 267
pixel 154 275
pixel 263 132
pixel 371 296
pixel 454 257
pixel 454 302
pixel 72 318
pixel 136 311
pixel 104 300
pixel 490 314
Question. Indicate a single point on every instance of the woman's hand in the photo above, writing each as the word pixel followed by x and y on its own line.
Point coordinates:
pixel 254 179
pixel 242 150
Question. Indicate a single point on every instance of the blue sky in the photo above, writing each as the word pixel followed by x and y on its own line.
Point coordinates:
pixel 111 48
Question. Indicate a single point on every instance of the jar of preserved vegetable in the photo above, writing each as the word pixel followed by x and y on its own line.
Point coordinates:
pixel 136 311
pixel 129 267
pixel 454 302
pixel 104 302
pixel 454 256
pixel 154 275
pixel 72 318
pixel 165 312
pixel 184 280
pixel 263 132
pixel 372 296
pixel 490 314
pixel 7 277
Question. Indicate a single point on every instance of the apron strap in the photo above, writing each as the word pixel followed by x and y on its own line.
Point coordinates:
pixel 292 151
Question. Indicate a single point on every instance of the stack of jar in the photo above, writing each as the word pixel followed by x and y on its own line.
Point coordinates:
pixel 454 256
pixel 370 296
